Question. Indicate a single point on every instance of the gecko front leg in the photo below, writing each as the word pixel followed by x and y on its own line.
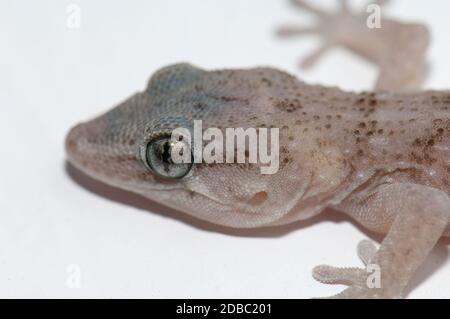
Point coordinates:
pixel 333 28
pixel 414 217
pixel 398 49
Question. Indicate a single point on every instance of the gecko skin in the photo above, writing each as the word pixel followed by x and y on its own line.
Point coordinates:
pixel 383 158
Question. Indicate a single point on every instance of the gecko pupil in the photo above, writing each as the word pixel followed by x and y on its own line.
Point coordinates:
pixel 159 159
pixel 165 156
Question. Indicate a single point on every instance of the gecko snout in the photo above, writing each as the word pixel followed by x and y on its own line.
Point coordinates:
pixel 82 143
pixel 103 148
pixel 77 144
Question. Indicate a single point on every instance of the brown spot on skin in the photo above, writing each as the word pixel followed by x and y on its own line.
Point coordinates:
pixel 360 153
pixel 266 82
pixel 231 99
pixel 200 106
pixel 362 125
pixel 288 105
pixel 417 142
pixel 428 159
pixel 360 101
pixel 415 157
pixel 328 126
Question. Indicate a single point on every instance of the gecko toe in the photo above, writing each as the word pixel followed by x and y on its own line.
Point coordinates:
pixel 366 251
pixel 335 275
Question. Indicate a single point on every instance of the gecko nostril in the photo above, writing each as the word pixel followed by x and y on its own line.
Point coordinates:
pixel 258 198
pixel 71 140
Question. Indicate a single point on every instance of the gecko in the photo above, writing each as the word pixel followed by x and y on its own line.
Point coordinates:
pixel 382 158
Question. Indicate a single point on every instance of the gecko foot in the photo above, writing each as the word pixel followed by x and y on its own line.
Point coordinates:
pixel 335 28
pixel 363 283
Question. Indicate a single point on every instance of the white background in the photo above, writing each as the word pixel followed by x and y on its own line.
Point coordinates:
pixel 52 77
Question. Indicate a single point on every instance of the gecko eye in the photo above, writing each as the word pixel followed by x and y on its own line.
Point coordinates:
pixel 159 158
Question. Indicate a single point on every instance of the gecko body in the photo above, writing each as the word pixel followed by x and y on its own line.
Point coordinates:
pixel 381 157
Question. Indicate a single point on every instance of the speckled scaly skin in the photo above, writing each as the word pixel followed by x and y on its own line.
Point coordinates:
pixel 382 158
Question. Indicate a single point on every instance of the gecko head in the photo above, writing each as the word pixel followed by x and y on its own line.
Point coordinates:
pixel 130 147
